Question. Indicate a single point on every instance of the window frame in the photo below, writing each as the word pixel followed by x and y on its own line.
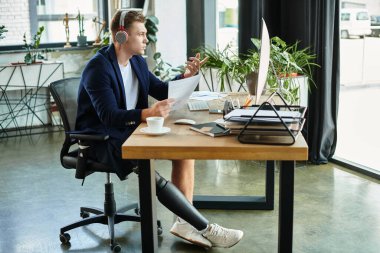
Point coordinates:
pixel 103 12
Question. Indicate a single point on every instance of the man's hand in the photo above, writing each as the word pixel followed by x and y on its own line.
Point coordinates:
pixel 194 65
pixel 160 108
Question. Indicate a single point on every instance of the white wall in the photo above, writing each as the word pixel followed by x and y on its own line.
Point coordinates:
pixel 172 30
pixel 15 17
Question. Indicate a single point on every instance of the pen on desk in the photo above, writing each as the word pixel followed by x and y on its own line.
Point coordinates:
pixel 247 101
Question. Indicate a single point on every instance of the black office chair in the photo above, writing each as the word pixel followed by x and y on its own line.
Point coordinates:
pixel 64 93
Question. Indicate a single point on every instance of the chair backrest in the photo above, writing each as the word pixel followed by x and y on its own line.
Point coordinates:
pixel 65 94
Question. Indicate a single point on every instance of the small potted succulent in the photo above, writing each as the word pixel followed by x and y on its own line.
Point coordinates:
pixel 82 39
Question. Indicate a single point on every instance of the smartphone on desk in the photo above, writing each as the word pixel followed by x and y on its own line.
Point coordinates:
pixel 215 111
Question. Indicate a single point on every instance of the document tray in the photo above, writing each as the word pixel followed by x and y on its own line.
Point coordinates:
pixel 274 129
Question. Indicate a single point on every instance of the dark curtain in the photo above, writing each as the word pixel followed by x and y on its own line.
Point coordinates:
pixel 315 23
pixel 250 13
pixel 323 105
pixel 195 25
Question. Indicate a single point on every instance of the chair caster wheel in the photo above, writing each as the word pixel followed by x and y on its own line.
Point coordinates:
pixel 116 248
pixel 159 228
pixel 84 214
pixel 159 231
pixel 64 238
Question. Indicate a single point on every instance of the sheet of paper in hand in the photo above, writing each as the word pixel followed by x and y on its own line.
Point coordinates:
pixel 181 90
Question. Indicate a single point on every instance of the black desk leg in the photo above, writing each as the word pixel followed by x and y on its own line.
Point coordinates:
pixel 286 199
pixel 147 190
pixel 269 185
pixel 241 202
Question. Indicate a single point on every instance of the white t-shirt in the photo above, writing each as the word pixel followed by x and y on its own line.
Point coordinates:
pixel 131 86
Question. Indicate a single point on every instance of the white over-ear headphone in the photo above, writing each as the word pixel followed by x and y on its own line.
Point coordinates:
pixel 122 35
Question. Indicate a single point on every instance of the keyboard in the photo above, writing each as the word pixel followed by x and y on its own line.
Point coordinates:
pixel 197 105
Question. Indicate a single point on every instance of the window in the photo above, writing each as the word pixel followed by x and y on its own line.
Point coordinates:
pixel 23 16
pixel 362 16
pixel 227 24
pixel 345 17
pixel 358 121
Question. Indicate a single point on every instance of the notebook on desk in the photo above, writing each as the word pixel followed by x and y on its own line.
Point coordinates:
pixel 264 116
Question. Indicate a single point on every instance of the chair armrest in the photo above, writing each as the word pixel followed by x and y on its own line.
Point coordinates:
pixel 82 161
pixel 89 137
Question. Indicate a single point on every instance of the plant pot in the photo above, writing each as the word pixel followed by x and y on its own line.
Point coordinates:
pixel 295 90
pixel 251 80
pixel 82 41
pixel 302 82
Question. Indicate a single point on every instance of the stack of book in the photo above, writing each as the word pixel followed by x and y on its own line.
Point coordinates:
pixel 266 124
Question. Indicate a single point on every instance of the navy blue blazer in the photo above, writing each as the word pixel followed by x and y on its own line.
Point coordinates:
pixel 101 96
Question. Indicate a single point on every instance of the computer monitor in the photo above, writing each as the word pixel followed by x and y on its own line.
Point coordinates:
pixel 263 64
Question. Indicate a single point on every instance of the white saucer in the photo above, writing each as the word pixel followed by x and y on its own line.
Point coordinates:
pixel 164 130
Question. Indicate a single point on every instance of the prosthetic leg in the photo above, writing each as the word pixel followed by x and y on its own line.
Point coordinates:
pixel 175 201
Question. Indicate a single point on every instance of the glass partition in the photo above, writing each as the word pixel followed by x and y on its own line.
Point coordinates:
pixel 358 118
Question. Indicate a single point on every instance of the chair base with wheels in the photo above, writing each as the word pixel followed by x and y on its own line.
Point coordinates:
pixel 109 216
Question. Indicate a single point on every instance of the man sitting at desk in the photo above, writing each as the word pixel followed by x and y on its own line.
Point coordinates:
pixel 113 100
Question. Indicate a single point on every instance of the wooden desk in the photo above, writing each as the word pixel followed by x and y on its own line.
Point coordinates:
pixel 182 143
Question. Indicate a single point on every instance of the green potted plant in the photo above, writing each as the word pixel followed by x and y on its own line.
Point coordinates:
pixel 292 69
pixel 225 70
pixel 217 70
pixel 32 51
pixel 245 70
pixel 292 66
pixel 82 39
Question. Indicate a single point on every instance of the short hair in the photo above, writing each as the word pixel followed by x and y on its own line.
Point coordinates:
pixel 132 16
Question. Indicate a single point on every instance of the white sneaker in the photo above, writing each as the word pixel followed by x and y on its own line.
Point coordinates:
pixel 222 237
pixel 189 233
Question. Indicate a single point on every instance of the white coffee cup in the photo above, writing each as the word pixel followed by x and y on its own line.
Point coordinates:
pixel 155 124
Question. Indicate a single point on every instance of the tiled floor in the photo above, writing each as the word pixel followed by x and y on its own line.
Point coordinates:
pixel 335 209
